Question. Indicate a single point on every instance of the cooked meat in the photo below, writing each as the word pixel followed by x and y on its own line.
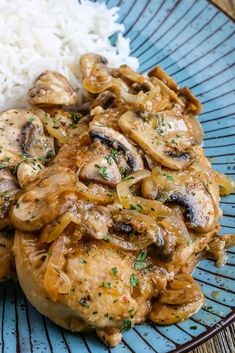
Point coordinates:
pixel 52 88
pixel 88 284
pixel 7 262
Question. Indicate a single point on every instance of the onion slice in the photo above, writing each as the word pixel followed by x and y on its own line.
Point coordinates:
pixel 53 230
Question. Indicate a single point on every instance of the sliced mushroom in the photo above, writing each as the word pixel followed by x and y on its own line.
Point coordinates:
pixel 164 77
pixel 27 171
pixel 51 88
pixel 88 61
pixel 21 133
pixel 192 104
pixel 98 165
pixel 104 99
pixel 51 194
pixel 8 189
pixel 187 189
pixel 168 144
pixel 114 139
pixel 177 303
pixel 182 290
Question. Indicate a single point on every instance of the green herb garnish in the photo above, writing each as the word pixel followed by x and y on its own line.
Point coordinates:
pixel 126 325
pixel 76 117
pixel 169 177
pixel 106 284
pixel 102 171
pixel 134 280
pixel 106 237
pixel 114 271
pixel 137 208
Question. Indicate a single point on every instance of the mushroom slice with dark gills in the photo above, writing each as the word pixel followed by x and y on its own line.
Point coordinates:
pixel 21 133
pixel 87 284
pixel 97 163
pixel 8 189
pixel 188 189
pixel 119 142
pixel 168 143
pixel 50 89
pixel 52 193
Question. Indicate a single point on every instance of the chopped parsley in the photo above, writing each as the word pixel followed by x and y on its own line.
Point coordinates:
pixel 4 196
pixel 30 120
pixel 129 177
pixel 17 204
pixel 132 312
pixel 193 327
pixel 136 207
pixel 140 263
pixel 169 177
pixel 106 237
pixel 160 128
pixel 126 325
pixel 102 171
pixel 76 117
pixel 143 115
pixel 49 154
pixel 114 154
pixel 123 171
pixel 134 280
pixel 83 261
pixel 109 159
pixel 106 284
pixel 114 271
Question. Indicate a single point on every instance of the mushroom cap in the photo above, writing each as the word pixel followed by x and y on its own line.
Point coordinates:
pixel 51 88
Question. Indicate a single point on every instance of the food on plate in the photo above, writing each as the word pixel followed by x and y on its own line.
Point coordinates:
pixel 111 197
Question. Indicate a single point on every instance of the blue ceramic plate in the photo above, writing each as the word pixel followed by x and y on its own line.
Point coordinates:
pixel 195 43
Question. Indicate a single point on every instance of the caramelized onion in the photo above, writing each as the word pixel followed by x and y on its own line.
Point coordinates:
pixel 96 193
pixel 164 314
pixel 56 281
pixel 151 207
pixel 226 183
pixel 54 129
pixel 147 235
pixel 53 230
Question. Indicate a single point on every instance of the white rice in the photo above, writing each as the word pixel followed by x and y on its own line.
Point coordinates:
pixel 38 35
